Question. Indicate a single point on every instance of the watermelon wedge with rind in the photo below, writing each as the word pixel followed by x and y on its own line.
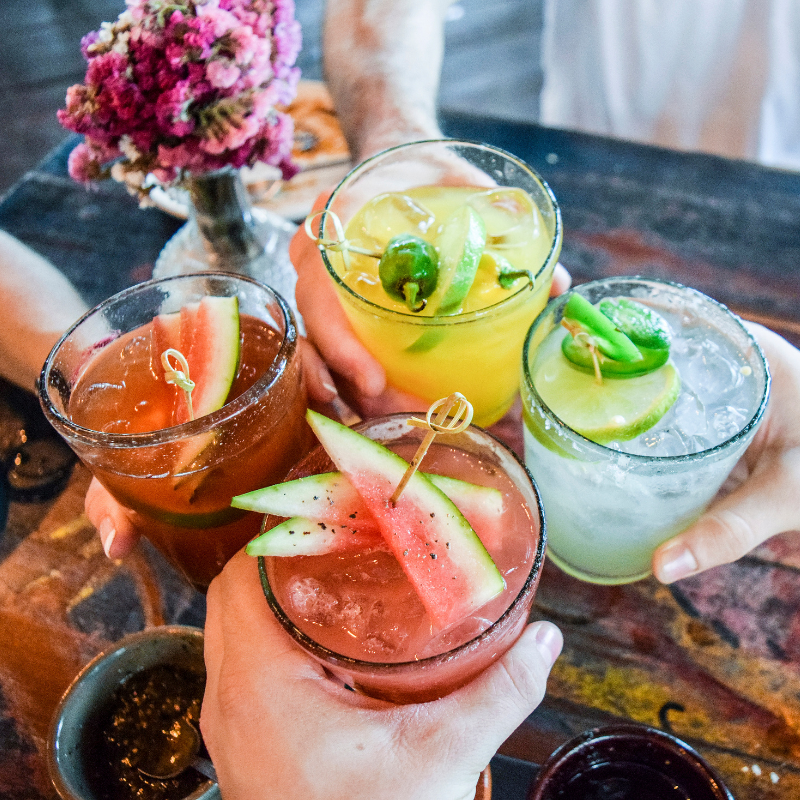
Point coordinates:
pixel 166 334
pixel 436 547
pixel 207 333
pixel 210 342
pixel 327 497
pixel 299 536
pixel 330 497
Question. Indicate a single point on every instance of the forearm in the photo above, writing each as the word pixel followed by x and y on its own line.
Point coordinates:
pixel 39 304
pixel 382 63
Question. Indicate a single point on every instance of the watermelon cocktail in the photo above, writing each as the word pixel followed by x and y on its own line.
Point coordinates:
pixel 468 237
pixel 403 602
pixel 105 389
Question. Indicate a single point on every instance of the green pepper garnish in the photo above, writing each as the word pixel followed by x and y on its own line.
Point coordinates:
pixel 409 270
pixel 623 322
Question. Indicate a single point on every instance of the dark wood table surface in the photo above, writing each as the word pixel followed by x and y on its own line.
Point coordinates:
pixel 714 659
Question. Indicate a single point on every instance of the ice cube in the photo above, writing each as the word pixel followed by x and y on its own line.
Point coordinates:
pixel 509 216
pixel 454 636
pixel 136 351
pixel 383 637
pixel 389 643
pixel 310 600
pixel 727 421
pixel 394 213
pixel 689 414
pixel 709 371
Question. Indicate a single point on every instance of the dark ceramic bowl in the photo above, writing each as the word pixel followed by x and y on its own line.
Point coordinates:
pixel 70 752
pixel 627 762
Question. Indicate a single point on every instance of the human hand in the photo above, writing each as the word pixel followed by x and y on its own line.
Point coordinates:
pixel 765 501
pixel 360 378
pixel 119 528
pixel 276 726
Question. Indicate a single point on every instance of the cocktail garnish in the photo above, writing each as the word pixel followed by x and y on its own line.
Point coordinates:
pixel 409 270
pixel 461 418
pixel 592 328
pixel 461 244
pixel 580 314
pixel 178 376
pixel 341 244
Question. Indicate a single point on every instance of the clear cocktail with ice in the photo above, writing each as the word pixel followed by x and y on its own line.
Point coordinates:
pixel 655 444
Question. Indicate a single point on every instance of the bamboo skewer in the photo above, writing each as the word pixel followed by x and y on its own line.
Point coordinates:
pixel 462 416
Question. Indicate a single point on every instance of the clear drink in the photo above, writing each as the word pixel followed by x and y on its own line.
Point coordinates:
pixel 413 189
pixel 358 613
pixel 610 505
pixel 103 389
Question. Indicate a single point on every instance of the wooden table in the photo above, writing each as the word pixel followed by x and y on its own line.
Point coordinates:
pixel 714 659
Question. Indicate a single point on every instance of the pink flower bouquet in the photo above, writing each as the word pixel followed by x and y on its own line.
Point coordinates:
pixel 185 87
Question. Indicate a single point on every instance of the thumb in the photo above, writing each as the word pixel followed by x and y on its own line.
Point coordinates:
pixel 735 524
pixel 115 524
pixel 490 708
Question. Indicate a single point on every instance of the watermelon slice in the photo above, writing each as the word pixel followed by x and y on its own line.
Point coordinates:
pixel 327 497
pixel 436 547
pixel 331 498
pixel 207 333
pixel 210 335
pixel 299 536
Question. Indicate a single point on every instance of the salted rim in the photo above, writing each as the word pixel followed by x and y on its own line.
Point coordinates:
pixel 384 668
pixel 454 319
pixel 637 457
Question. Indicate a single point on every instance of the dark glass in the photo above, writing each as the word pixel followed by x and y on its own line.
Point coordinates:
pixel 627 762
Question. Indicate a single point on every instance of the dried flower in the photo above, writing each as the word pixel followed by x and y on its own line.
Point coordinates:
pixel 178 87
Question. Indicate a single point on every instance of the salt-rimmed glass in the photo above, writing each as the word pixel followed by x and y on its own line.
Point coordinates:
pixel 432 677
pixel 250 442
pixel 608 510
pixel 475 353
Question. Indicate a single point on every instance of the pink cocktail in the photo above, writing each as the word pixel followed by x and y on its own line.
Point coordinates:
pixel 358 613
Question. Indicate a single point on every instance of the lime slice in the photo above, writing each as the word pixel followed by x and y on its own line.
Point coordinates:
pixel 617 409
pixel 460 245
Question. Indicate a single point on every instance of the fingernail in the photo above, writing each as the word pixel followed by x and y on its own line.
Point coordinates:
pixel 677 562
pixel 329 387
pixel 549 641
pixel 107 533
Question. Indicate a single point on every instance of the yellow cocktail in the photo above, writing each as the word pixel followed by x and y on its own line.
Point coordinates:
pixel 467 335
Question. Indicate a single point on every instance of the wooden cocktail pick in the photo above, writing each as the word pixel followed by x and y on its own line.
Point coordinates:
pixel 178 375
pixel 460 420
pixel 578 333
pixel 341 244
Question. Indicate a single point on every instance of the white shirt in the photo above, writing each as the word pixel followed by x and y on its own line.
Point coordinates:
pixel 718 76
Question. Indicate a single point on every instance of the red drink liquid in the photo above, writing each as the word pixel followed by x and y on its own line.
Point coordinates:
pixel 119 417
pixel 358 612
